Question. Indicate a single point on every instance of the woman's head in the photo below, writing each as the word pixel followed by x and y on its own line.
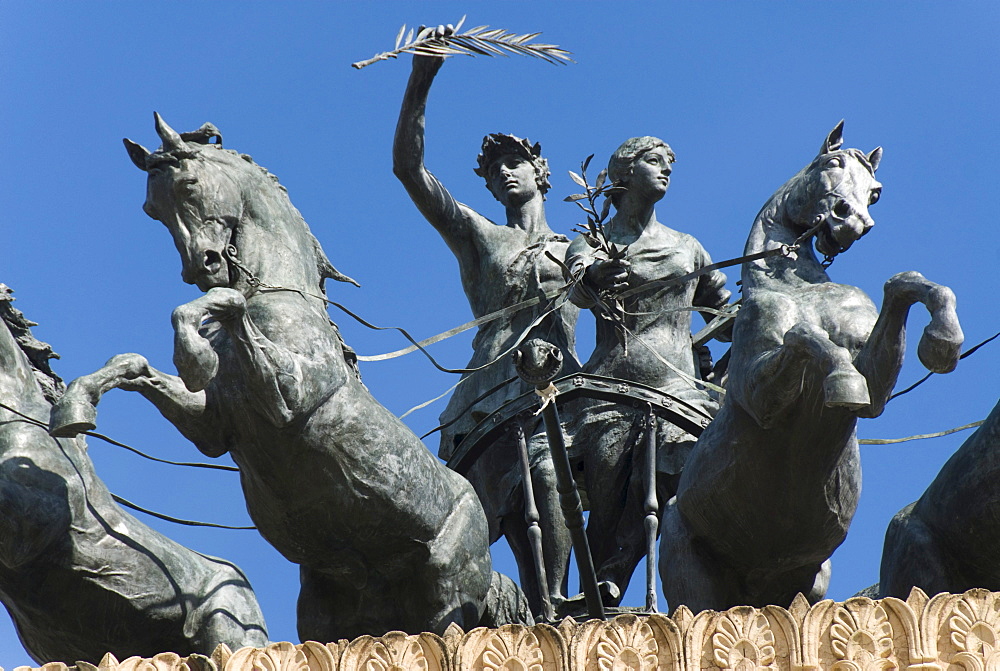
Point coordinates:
pixel 498 146
pixel 622 162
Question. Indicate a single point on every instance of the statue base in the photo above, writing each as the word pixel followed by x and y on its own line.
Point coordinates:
pixel 860 634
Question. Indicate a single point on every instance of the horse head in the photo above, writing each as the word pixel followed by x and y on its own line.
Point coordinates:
pixel 841 185
pixel 229 218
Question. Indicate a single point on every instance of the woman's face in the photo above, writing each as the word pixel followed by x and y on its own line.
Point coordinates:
pixel 650 174
pixel 512 180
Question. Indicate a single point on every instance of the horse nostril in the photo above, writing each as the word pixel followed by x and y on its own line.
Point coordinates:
pixel 212 259
pixel 842 210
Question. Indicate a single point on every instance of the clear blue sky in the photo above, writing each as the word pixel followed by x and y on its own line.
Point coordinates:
pixel 744 93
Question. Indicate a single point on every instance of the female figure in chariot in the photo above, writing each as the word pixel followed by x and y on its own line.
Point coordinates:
pixel 648 342
pixel 500 266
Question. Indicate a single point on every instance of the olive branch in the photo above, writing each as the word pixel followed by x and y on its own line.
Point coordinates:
pixel 479 41
pixel 593 230
pixel 611 307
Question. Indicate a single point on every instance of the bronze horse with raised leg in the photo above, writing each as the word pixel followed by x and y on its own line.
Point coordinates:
pixel 386 536
pixel 79 576
pixel 948 540
pixel 773 483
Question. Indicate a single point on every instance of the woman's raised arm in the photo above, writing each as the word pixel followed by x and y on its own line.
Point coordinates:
pixel 453 220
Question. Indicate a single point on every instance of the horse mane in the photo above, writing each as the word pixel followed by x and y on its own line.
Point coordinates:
pixel 201 147
pixel 37 352
pixel 788 198
pixel 218 154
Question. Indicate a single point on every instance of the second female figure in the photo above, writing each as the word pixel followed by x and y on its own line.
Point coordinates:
pixel 653 327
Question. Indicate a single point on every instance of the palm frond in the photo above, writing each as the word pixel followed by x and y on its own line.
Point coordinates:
pixel 478 41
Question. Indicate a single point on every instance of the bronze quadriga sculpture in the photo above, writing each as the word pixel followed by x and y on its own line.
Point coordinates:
pixel 746 488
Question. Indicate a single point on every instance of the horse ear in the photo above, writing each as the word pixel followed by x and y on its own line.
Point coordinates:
pixel 136 152
pixel 834 140
pixel 171 139
pixel 875 158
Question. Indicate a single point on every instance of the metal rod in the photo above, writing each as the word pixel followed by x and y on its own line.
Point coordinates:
pixel 572 507
pixel 652 508
pixel 531 517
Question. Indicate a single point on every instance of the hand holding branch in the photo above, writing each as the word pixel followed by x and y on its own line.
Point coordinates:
pixel 444 41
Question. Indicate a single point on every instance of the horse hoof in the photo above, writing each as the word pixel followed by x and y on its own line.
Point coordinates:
pixel 939 353
pixel 611 594
pixel 846 389
pixel 941 342
pixel 69 419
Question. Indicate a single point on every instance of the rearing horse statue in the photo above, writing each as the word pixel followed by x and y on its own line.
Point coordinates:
pixel 771 487
pixel 386 536
pixel 79 576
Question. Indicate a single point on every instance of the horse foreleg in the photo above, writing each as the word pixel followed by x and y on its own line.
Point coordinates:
pixel 821 583
pixel 285 382
pixel 913 557
pixel 882 355
pixel 195 360
pixel 34 510
pixel 76 411
pixel 225 611
pixel 774 380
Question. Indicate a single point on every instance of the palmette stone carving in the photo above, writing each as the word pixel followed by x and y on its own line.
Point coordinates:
pixel 967 626
pixel 308 656
pixel 740 639
pixel 860 635
pixel 513 648
pixel 949 632
pixel 165 661
pixel 861 641
pixel 396 651
pixel 642 643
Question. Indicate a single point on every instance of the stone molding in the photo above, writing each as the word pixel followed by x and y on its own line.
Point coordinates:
pixel 948 631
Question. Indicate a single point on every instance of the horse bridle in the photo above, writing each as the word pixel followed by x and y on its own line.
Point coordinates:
pixel 232 256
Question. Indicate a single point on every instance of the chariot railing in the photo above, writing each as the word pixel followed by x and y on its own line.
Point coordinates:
pixel 515 414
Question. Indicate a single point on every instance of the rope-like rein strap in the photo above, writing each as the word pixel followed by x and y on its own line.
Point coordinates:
pixel 919 436
pixel 125 502
pixel 971 350
pixel 418 345
pixel 176 520
pixel 112 441
pixel 782 250
pixel 485 319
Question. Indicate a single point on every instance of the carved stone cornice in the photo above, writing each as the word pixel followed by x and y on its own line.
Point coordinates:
pixel 948 631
